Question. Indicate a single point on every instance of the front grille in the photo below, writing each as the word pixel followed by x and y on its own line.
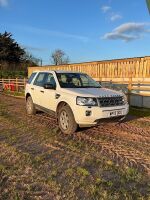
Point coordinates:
pixel 110 101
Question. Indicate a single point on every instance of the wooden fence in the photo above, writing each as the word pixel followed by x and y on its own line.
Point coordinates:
pixel 15 85
pixel 124 69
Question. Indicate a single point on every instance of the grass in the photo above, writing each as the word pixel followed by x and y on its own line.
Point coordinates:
pixel 14 93
pixel 82 171
pixel 139 112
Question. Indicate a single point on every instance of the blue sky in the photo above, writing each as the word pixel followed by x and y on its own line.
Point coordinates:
pixel 87 30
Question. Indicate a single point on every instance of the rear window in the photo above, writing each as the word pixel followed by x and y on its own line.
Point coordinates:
pixel 31 78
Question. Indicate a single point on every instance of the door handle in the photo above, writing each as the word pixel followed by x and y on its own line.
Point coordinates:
pixel 42 91
pixel 57 96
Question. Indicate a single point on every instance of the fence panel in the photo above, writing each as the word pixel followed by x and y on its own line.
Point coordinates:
pixel 123 68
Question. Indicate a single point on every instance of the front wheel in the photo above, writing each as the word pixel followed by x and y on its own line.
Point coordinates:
pixel 66 120
pixel 121 119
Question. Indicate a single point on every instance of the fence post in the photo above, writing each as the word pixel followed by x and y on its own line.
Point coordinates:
pixel 2 83
pixel 129 89
pixel 139 86
pixel 24 83
pixel 9 85
pixel 17 84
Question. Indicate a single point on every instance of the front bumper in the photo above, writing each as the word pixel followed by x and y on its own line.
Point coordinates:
pixel 97 113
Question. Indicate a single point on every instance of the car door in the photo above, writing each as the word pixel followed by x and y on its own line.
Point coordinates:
pixel 48 99
pixel 38 88
pixel 29 86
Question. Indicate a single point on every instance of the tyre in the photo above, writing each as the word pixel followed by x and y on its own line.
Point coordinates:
pixel 30 108
pixel 66 120
pixel 121 118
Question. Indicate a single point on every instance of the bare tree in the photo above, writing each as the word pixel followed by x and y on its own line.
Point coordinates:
pixel 59 57
pixel 29 59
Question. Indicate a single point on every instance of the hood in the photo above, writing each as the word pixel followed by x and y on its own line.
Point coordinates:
pixel 92 92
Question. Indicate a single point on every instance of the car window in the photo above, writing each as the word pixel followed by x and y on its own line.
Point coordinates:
pixel 67 80
pixel 76 80
pixel 31 78
pixel 85 80
pixel 50 79
pixel 40 80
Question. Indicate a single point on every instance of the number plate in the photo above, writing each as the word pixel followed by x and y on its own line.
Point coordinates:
pixel 115 113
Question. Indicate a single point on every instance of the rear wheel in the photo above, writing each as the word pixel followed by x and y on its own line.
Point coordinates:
pixel 66 120
pixel 30 108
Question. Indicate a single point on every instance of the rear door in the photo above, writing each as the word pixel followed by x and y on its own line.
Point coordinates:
pixel 38 88
pixel 29 86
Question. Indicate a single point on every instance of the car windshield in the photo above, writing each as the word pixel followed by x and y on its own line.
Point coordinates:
pixel 76 80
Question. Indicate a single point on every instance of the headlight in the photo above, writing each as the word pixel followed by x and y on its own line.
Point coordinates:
pixel 86 101
pixel 125 100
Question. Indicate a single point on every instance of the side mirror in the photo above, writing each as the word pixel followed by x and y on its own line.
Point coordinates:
pixel 49 86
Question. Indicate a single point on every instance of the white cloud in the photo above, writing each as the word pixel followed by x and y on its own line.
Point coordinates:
pixel 128 32
pixel 3 3
pixel 132 27
pixel 119 36
pixel 106 8
pixel 115 17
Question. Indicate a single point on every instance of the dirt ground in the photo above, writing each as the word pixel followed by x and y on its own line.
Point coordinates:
pixel 110 161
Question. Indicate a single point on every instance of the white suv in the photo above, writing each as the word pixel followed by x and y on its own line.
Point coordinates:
pixel 74 98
